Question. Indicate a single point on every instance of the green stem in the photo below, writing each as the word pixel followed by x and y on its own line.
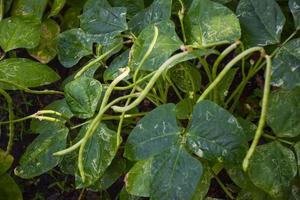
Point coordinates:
pixel 262 120
pixel 136 83
pixel 1 10
pixel 278 139
pixel 224 188
pixel 181 17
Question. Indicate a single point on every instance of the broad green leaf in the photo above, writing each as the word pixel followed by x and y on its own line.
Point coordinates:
pixel 38 157
pixel 119 62
pixel 261 21
pixel 166 44
pixel 6 161
pixel 98 154
pixel 72 46
pixel 95 3
pixel 157 129
pixel 272 169
pixel 19 32
pixel 175 175
pixel 61 106
pixel 34 8
pixel 138 179
pixel 248 127
pixel 295 9
pixel 37 74
pixel 284 113
pixel 9 190
pixel 297 150
pixel 159 10
pixel 133 6
pixel 83 95
pixel 203 185
pixel 57 6
pixel 46 50
pixel 101 20
pixel 70 19
pixel 124 195
pixel 184 108
pixel 208 23
pixel 286 66
pixel 225 142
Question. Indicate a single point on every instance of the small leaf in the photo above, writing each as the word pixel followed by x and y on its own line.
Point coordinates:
pixel 19 32
pixel 57 6
pixel 95 3
pixel 224 142
pixel 46 50
pixel 208 23
pixel 175 175
pixel 262 22
pixel 157 129
pixel 132 6
pixel 83 95
pixel 286 66
pixel 9 190
pixel 98 154
pixel 37 74
pixel 6 161
pixel 34 8
pixel 159 10
pixel 184 108
pixel 167 42
pixel 284 113
pixel 38 157
pixel 295 9
pixel 272 169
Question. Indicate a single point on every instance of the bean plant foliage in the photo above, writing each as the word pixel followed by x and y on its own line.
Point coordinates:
pixel 158 97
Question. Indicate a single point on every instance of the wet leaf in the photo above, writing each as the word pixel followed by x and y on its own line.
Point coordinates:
pixel 295 9
pixel 157 129
pixel 6 161
pixel 57 6
pixel 132 6
pixel 9 190
pixel 34 8
pixel 261 21
pixel 208 23
pixel 37 74
pixel 19 32
pixel 83 95
pixel 284 113
pixel 38 157
pixel 272 169
pixel 225 142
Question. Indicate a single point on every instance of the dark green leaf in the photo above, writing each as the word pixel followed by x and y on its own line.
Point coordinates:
pixel 19 32
pixel 70 19
pixel 9 190
pixel 46 50
pixel 34 8
pixel 286 66
pixel 225 142
pixel 37 74
pixel 272 169
pixel 203 185
pixel 133 6
pixel 295 9
pixel 175 175
pixel 248 127
pixel 157 129
pixel 95 3
pixel 124 195
pixel 167 42
pixel 284 113
pixel 6 161
pixel 159 10
pixel 297 150
pixel 184 108
pixel 83 95
pixel 38 157
pixel 57 6
pixel 208 23
pixel 224 85
pixel 262 22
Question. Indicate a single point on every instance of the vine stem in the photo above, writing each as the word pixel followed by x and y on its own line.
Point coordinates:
pixel 11 118
pixel 226 70
pixel 1 10
pixel 262 120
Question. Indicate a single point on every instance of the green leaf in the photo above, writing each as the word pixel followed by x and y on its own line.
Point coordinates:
pixel 295 9
pixel 6 160
pixel 57 6
pixel 34 8
pixel 83 95
pixel 132 6
pixel 157 129
pixel 101 20
pixel 9 190
pixel 124 195
pixel 272 169
pixel 166 44
pixel 72 46
pixel 284 113
pixel 203 185
pixel 225 142
pixel 46 50
pixel 286 66
pixel 261 21
pixel 37 74
pixel 208 23
pixel 38 157
pixel 224 86
pixel 138 179
pixel 184 108
pixel 98 154
pixel 19 32
pixel 248 127
pixel 70 19
pixel 175 175
pixel 297 150
pixel 95 3
pixel 159 10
